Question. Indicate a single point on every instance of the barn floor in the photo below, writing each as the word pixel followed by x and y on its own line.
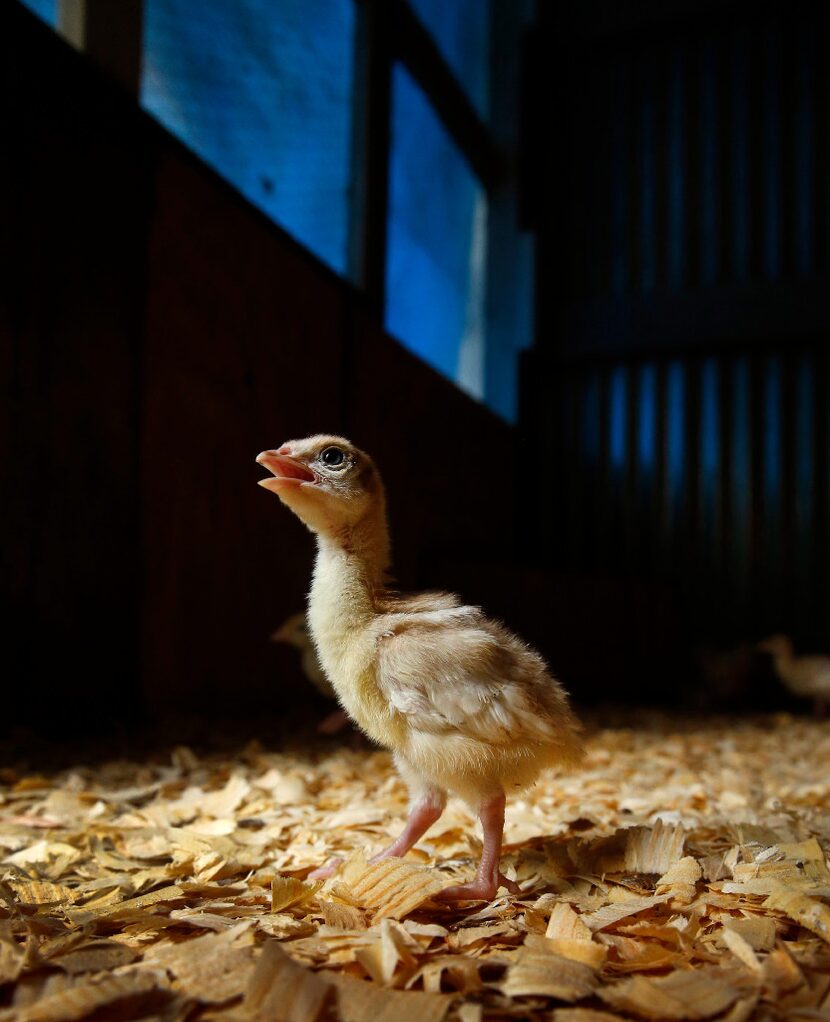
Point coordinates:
pixel 680 875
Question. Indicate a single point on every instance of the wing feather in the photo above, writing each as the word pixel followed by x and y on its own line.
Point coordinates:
pixel 452 671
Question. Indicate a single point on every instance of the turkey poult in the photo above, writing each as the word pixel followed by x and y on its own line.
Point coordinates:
pixel 294 632
pixel 465 707
pixel 806 676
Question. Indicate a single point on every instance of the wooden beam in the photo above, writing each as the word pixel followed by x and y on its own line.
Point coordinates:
pixel 110 33
pixel 416 49
pixel 370 151
pixel 746 316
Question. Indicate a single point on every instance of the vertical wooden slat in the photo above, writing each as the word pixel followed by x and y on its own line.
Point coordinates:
pixel 757 602
pixel 739 161
pixel 676 183
pixel 804 162
pixel 709 178
pixel 804 458
pixel 754 146
pixel 689 518
pixel 621 228
pixel 572 537
pixel 791 184
pixel 371 113
pixel 590 456
pixel 647 175
pixel 710 466
pixel 634 248
pixel 771 518
pixel 821 149
pixel 787 541
pixel 605 514
pixel 726 418
pixel 771 148
pixel 741 484
pixel 821 507
pixel 660 539
pixel 676 496
pixel 631 520
pixel 692 163
pixel 618 461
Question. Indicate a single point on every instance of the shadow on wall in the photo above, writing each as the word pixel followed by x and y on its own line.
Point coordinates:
pixel 159 333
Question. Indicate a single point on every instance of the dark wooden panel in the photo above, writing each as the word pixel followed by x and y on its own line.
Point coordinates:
pixel 70 326
pixel 243 351
pixel 157 333
pixel 449 464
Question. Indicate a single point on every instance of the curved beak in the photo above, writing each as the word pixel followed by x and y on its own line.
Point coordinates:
pixel 286 472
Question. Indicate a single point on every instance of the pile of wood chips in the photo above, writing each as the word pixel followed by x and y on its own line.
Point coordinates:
pixel 681 874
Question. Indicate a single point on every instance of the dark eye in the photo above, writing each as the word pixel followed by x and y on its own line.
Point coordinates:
pixel 333 457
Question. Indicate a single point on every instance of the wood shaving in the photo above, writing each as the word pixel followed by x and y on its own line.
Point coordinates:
pixel 279 988
pixel 680 995
pixel 680 874
pixel 286 892
pixel 390 887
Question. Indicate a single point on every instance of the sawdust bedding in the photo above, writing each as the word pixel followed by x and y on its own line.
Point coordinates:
pixel 681 874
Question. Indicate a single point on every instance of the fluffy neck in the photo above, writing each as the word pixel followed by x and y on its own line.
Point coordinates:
pixel 349 568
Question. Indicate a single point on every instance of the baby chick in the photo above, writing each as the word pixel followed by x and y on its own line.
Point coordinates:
pixel 807 676
pixel 465 706
pixel 294 632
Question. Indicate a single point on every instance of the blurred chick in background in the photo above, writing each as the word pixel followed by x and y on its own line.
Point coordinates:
pixel 464 705
pixel 805 676
pixel 294 632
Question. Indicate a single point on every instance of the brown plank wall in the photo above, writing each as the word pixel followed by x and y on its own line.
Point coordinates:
pixel 680 382
pixel 157 332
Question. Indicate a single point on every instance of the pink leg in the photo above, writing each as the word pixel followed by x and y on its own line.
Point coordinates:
pixel 487 878
pixel 423 814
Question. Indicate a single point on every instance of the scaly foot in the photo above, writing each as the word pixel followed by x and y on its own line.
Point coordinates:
pixel 480 889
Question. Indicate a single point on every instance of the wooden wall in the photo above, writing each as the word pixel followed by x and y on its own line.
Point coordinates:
pixel 157 333
pixel 680 382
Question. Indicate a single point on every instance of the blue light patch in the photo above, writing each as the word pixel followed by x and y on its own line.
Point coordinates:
pixel 675 432
pixel 263 93
pixel 436 243
pixel 617 418
pixel 45 9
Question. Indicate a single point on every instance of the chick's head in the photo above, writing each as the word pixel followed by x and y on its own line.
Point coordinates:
pixel 293 631
pixel 777 645
pixel 327 482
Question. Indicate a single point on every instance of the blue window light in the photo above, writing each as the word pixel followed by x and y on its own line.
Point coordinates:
pixel 45 9
pixel 436 243
pixel 618 418
pixel 263 93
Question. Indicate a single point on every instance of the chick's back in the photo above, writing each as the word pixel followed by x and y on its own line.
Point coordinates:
pixel 480 711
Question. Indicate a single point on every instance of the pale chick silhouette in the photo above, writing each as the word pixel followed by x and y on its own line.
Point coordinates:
pixel 806 676
pixel 294 632
pixel 465 706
